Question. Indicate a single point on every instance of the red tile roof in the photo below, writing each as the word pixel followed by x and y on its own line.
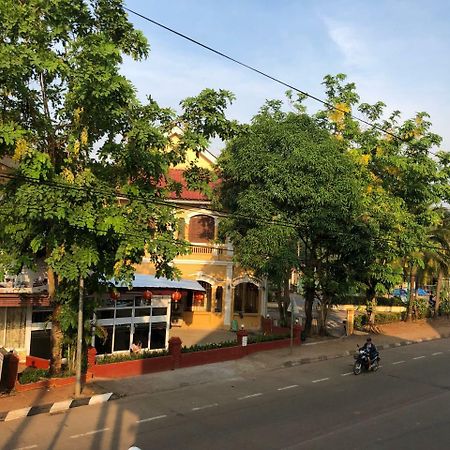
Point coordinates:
pixel 186 194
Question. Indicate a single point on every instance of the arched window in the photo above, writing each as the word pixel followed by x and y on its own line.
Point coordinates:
pixel 208 294
pixel 246 298
pixel 201 229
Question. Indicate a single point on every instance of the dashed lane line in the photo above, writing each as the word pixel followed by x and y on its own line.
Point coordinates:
pixel 420 357
pixel 346 374
pixel 398 362
pixel 89 433
pixel 320 380
pixel 436 353
pixel 150 419
pixel 287 387
pixel 245 397
pixel 199 408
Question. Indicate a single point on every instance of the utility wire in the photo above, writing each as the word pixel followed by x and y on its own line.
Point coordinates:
pixel 265 74
pixel 173 205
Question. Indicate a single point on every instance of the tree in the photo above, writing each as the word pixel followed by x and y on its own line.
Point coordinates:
pixel 285 181
pixel 404 182
pixel 87 196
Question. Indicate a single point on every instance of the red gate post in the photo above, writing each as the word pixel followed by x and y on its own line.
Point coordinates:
pixel 175 351
pixel 12 368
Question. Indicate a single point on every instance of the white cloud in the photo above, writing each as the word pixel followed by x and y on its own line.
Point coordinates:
pixel 349 42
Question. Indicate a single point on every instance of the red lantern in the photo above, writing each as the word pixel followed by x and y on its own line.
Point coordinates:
pixel 147 295
pixel 114 295
pixel 176 296
pixel 199 297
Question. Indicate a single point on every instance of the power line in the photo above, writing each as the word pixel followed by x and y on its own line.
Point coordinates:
pixel 265 74
pixel 173 205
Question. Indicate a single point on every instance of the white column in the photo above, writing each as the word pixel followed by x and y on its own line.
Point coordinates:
pixel 227 305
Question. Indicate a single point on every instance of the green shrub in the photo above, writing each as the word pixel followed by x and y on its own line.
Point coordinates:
pixel 31 375
pixel 444 307
pixel 109 359
pixel 381 318
pixel 211 346
pixel 265 338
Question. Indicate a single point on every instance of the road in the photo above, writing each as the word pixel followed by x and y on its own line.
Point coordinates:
pixel 405 405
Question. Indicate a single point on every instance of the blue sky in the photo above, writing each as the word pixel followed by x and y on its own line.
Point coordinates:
pixel 396 51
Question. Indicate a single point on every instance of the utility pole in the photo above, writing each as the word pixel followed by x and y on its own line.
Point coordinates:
pixel 292 324
pixel 79 338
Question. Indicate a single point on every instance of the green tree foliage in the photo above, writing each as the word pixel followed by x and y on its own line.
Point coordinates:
pixel 286 181
pixel 91 159
pixel 404 182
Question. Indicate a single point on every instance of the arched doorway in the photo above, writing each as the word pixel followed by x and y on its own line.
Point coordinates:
pixel 246 298
pixel 206 305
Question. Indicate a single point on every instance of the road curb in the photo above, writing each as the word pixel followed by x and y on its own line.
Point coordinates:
pixel 347 353
pixel 56 407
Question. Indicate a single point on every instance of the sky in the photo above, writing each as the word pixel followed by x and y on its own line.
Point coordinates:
pixel 396 51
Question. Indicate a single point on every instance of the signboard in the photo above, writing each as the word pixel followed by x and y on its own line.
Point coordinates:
pixel 244 341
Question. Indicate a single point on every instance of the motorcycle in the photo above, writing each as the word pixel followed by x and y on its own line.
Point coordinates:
pixel 362 361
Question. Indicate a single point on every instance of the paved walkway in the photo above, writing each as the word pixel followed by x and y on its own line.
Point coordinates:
pixel 312 350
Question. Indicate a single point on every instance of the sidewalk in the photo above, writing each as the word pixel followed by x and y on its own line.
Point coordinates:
pixel 313 350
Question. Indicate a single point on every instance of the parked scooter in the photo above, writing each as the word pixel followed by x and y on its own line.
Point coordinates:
pixel 362 361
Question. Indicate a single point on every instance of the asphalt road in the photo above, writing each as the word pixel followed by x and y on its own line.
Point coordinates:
pixel 405 405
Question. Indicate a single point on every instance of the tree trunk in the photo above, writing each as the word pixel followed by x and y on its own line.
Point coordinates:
pixel 323 314
pixel 310 293
pixel 437 298
pixel 411 295
pixel 371 305
pixel 56 336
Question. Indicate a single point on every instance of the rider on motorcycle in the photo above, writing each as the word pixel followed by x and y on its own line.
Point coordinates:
pixel 371 350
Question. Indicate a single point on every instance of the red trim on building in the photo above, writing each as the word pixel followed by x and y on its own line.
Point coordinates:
pixel 15 300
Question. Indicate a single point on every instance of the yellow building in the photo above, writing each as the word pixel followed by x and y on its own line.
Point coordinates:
pixel 233 297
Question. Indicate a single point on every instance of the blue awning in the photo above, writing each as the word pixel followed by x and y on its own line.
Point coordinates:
pixel 150 281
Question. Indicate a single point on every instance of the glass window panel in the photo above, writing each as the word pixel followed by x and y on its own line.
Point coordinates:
pixel 104 346
pixel 40 344
pixel 142 312
pixel 125 303
pixel 140 336
pixel 41 315
pixel 158 336
pixel 159 311
pixel 124 312
pixel 122 338
pixel 104 314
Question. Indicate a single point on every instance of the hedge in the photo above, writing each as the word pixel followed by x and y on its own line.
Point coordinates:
pixel 108 359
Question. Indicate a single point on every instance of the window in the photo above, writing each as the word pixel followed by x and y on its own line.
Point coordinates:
pixel 246 298
pixel 219 299
pixel 201 229
pixel 208 294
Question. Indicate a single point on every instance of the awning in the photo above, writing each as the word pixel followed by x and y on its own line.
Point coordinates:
pixel 150 281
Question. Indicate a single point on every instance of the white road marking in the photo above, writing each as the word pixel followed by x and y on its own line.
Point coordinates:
pixel 151 418
pixel 398 362
pixel 287 387
pixel 437 353
pixel 17 414
pixel 250 396
pixel 75 436
pixel 25 448
pixel 199 408
pixel 320 379
pixel 419 357
pixel 346 374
